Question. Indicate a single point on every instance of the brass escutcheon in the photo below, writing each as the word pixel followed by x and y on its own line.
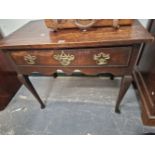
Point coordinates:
pixel 31 60
pixel 64 59
pixel 101 58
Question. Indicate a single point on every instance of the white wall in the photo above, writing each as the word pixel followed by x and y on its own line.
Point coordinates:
pixel 8 26
pixel 144 22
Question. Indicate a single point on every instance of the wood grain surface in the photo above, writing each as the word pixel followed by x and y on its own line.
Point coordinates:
pixel 35 39
pixel 36 35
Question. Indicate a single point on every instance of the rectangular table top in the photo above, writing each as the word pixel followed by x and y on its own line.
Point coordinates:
pixel 36 35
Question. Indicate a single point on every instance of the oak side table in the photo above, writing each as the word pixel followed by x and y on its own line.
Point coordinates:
pixel 35 48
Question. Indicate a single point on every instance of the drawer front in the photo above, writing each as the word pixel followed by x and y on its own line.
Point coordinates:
pixel 97 57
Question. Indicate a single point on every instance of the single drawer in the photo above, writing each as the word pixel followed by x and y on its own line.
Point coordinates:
pixel 98 57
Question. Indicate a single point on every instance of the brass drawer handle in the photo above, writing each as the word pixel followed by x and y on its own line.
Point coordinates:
pixel 101 58
pixel 64 59
pixel 30 59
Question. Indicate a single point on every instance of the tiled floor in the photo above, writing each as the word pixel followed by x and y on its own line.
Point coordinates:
pixel 75 105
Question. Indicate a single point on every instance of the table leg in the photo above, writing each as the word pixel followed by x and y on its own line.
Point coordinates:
pixel 55 75
pixel 111 77
pixel 26 81
pixel 125 83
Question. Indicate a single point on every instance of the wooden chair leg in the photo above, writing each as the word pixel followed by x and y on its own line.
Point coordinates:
pixel 125 83
pixel 26 81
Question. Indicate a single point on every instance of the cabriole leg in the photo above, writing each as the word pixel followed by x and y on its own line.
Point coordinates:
pixel 125 83
pixel 26 81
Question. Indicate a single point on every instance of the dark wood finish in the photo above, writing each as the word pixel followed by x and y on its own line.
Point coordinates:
pixel 125 83
pixel 9 83
pixel 119 56
pixel 4 63
pixel 146 100
pixel 25 80
pixel 35 39
pixel 36 35
pixel 144 75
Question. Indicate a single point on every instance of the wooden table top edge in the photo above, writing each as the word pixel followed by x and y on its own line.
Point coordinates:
pixel 14 43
